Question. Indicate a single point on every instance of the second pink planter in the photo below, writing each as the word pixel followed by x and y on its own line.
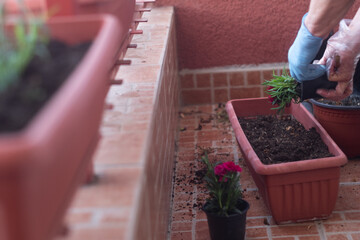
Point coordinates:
pixel 293 191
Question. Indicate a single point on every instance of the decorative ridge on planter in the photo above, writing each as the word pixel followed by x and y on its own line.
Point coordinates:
pixel 294 191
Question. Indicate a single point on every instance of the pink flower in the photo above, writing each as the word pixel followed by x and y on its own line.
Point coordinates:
pixel 227 167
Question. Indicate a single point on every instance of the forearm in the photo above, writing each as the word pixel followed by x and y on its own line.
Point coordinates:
pixel 324 15
pixel 354 33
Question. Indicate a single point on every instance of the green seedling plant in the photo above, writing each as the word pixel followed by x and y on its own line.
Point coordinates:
pixel 282 90
pixel 18 45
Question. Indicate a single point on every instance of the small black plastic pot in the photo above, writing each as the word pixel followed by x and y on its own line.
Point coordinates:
pixel 230 227
pixel 307 89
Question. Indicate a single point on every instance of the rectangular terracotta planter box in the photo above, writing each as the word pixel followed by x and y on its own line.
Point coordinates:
pixel 42 165
pixel 292 191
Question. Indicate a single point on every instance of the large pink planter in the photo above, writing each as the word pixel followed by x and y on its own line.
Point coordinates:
pixel 293 191
pixel 42 165
pixel 343 125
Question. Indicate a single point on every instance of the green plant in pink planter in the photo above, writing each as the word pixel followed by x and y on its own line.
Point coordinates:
pixel 283 89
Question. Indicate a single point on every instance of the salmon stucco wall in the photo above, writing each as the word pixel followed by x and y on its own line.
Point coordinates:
pixel 215 33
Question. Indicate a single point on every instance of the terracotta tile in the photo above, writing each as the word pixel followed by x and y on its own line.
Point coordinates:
pixel 76 217
pixel 355 236
pixel 189 137
pixel 142 55
pixel 256 232
pixel 237 93
pixel 200 215
pixel 334 217
pixel 186 158
pixel 300 229
pixel 202 230
pixel 96 233
pixel 205 108
pixel 184 189
pixel 120 148
pixel 283 238
pixel 346 197
pixel 341 227
pixel 182 216
pixel 253 78
pixel 135 126
pixel 138 74
pixel 115 216
pixel 181 236
pixel 183 197
pixel 336 237
pixel 181 226
pixel 221 95
pixel 220 79
pixel 258 207
pixel 237 79
pixel 186 145
pixel 187 81
pixel 196 96
pixel 259 221
pixel 115 187
pixel 203 80
pixel 268 74
pixel 350 172
pixel 309 238
pixel 352 216
pixel 205 136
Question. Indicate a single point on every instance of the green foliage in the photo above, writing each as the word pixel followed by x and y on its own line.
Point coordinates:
pixel 224 193
pixel 282 90
pixel 18 47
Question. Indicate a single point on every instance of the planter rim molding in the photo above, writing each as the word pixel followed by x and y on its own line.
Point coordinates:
pixel 42 125
pixel 283 168
pixel 325 105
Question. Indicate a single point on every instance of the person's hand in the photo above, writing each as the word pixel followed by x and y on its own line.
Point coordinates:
pixel 301 54
pixel 340 58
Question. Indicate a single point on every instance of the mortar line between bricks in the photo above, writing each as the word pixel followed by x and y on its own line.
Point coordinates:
pixel 321 230
pixel 349 183
pixel 193 227
pixel 212 91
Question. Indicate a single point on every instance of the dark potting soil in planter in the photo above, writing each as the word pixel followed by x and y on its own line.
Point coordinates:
pixel 353 100
pixel 282 139
pixel 39 81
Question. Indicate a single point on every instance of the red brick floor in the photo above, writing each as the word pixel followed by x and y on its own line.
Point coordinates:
pixel 207 128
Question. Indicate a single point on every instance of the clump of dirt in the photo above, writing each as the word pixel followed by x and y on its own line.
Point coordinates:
pixel 282 139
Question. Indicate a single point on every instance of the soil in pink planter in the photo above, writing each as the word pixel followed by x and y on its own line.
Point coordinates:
pixel 293 191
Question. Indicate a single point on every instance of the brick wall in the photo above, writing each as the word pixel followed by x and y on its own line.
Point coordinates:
pixel 217 85
pixel 154 202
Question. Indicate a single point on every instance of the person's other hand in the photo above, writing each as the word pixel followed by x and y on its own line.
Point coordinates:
pixel 301 54
pixel 340 58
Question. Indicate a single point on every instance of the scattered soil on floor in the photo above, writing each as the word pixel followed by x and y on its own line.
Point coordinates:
pixel 39 81
pixel 279 140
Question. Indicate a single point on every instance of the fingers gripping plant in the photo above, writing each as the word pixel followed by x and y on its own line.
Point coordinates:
pixel 18 47
pixel 222 182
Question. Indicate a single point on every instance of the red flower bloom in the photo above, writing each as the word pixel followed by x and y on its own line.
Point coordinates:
pixel 271 99
pixel 225 168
